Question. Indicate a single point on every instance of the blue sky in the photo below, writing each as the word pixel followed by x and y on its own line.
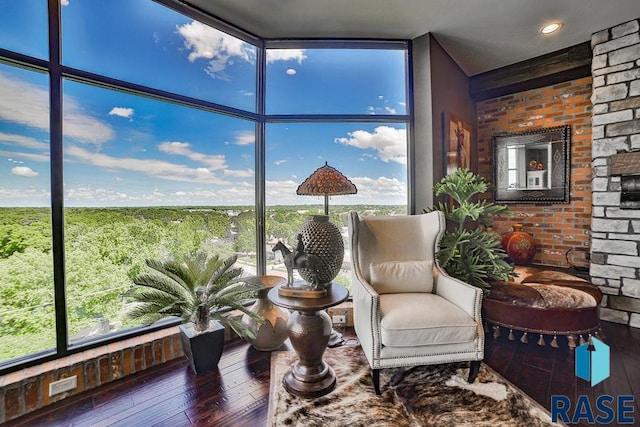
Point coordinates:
pixel 126 150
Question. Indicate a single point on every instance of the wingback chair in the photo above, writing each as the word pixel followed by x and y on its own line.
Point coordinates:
pixel 407 310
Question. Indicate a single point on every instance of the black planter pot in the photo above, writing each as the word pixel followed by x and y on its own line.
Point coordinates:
pixel 203 349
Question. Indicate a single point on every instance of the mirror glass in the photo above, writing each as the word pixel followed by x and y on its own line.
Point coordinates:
pixel 532 167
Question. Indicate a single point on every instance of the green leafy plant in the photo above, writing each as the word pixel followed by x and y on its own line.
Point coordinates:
pixel 468 252
pixel 196 288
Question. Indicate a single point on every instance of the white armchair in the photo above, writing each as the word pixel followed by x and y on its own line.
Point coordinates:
pixel 407 310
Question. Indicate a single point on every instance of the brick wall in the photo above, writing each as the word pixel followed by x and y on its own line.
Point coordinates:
pixel 615 257
pixel 26 390
pixel 556 228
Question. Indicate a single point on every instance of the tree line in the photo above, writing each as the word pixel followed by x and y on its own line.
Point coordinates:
pixel 105 248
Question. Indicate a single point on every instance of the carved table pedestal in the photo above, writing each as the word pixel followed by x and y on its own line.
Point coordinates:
pixel 309 330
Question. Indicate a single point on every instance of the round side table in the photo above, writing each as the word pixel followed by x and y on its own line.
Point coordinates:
pixel 309 330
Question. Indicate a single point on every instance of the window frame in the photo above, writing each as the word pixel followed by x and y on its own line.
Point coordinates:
pixel 58 72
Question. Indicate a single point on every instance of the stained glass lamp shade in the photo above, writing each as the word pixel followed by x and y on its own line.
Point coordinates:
pixel 326 181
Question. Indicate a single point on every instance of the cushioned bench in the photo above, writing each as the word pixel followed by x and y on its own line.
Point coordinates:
pixel 544 302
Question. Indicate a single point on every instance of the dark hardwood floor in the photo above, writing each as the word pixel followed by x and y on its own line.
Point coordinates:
pixel 237 394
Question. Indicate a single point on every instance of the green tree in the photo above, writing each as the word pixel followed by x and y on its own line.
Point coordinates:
pixel 26 293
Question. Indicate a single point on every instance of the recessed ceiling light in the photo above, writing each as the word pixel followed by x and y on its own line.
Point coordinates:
pixel 551 28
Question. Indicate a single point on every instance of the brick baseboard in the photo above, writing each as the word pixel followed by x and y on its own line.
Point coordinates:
pixel 26 390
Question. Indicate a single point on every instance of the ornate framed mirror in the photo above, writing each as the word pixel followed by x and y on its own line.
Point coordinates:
pixel 532 166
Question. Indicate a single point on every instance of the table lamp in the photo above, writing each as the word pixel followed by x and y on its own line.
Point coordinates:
pixel 319 235
pixel 326 181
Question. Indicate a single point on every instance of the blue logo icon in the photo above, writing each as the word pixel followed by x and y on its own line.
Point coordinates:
pixel 592 361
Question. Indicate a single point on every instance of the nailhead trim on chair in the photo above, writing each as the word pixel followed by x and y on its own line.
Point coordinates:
pixel 376 337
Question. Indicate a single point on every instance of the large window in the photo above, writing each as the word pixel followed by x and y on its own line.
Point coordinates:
pixel 156 134
pixel 146 179
pixel 336 81
pixel 146 43
pixel 27 320
pixel 371 155
pixel 334 105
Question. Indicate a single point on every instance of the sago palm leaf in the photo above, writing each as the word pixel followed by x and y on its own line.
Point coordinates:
pixel 194 288
pixel 173 270
pixel 238 327
pixel 222 273
pixel 163 284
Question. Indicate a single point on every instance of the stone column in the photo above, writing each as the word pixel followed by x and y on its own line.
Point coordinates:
pixel 615 239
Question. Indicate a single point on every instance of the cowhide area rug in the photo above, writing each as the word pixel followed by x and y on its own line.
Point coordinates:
pixel 436 395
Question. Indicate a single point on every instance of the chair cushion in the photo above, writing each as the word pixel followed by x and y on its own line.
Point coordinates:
pixel 418 319
pixel 401 276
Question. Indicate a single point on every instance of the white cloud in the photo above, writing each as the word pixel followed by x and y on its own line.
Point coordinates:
pixel 24 197
pixel 240 194
pixel 389 142
pixel 154 168
pixel 279 162
pixel 370 191
pixel 381 185
pixel 274 55
pixel 375 190
pixel 237 173
pixel 402 103
pixel 95 195
pixel 213 162
pixel 27 104
pixel 204 194
pixel 22 141
pixel 245 137
pixel 23 103
pixel 24 171
pixel 122 112
pixel 218 48
pixel 391 110
pixel 284 193
pixel 29 156
pixel 64 2
pixel 247 93
pixel 82 127
pixel 88 195
pixel 291 71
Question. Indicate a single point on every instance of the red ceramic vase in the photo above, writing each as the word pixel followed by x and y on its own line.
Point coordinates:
pixel 519 245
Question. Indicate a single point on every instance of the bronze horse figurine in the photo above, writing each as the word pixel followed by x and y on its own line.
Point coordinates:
pixel 298 259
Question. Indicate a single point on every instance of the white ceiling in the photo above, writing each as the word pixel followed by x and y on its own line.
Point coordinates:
pixel 480 35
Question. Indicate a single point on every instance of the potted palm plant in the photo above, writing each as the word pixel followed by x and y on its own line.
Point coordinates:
pixel 468 252
pixel 196 288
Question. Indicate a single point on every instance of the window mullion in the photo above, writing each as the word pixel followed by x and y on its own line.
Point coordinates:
pixel 57 185
pixel 260 196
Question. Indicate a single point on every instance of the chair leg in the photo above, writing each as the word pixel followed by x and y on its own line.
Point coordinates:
pixel 474 368
pixel 375 374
